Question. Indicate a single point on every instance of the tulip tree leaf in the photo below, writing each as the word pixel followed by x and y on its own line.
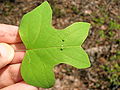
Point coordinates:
pixel 47 46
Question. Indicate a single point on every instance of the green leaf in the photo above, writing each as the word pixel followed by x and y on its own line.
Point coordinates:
pixel 47 46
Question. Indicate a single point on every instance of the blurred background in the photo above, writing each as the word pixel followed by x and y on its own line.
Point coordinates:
pixel 102 44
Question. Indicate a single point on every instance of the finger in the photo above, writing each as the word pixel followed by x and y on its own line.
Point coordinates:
pixel 9 34
pixel 10 75
pixel 19 54
pixel 18 57
pixel 20 86
pixel 6 54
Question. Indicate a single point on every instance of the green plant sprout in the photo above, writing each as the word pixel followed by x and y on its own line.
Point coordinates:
pixel 47 46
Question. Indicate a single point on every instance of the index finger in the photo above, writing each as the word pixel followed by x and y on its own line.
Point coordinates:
pixel 9 34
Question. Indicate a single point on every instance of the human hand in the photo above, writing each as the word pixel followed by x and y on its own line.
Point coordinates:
pixel 10 77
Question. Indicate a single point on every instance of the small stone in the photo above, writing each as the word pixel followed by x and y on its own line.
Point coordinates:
pixel 103 27
pixel 88 12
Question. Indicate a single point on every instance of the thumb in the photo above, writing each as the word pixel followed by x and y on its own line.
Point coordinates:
pixel 6 54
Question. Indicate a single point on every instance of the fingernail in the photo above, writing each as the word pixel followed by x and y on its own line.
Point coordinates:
pixel 6 54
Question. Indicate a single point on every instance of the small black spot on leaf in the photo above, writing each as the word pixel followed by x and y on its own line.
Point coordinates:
pixel 61 49
pixel 63 40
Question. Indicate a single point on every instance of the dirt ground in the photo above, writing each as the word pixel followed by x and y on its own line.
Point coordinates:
pixel 102 44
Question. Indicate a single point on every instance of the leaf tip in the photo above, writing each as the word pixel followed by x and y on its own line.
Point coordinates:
pixel 87 24
pixel 46 3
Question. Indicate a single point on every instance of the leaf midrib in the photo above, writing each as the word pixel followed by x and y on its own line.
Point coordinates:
pixel 56 47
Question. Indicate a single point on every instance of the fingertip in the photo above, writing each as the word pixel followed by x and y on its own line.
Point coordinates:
pixel 9 34
pixel 6 54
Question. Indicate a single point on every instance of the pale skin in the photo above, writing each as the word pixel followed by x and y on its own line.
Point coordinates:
pixel 10 77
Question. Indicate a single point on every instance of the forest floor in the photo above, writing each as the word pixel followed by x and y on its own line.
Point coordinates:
pixel 102 44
